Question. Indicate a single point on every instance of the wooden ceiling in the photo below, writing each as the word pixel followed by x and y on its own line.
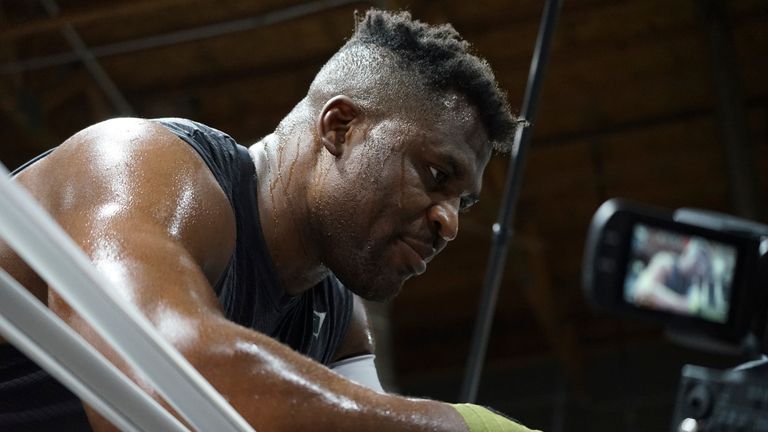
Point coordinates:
pixel 630 108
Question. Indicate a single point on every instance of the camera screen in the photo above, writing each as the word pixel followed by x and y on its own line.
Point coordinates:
pixel 683 274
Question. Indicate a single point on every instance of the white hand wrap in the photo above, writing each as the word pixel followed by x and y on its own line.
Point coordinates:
pixel 361 370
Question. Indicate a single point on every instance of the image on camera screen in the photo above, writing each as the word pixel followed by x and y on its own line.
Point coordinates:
pixel 683 274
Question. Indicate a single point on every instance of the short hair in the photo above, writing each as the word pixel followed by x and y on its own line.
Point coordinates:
pixel 377 65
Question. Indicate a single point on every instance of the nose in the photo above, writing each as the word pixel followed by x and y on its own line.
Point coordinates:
pixel 445 216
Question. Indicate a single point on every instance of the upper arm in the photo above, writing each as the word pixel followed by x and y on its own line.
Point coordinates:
pixel 147 211
pixel 359 338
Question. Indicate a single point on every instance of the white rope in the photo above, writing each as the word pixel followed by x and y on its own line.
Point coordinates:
pixel 46 339
pixel 36 237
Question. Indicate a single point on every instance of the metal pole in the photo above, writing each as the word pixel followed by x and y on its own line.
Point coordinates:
pixel 744 182
pixel 502 230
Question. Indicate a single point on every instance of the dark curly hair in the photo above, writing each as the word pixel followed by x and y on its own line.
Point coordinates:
pixel 385 44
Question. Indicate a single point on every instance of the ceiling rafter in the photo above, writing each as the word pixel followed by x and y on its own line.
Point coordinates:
pixel 111 11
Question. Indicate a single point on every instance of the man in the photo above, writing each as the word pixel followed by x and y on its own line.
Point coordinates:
pixel 679 283
pixel 238 256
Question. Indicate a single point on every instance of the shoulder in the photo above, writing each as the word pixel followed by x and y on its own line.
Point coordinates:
pixel 121 142
pixel 136 156
pixel 123 174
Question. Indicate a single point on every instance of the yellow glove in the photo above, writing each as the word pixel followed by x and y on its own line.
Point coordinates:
pixel 480 419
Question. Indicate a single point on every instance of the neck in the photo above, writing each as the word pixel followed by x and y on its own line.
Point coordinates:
pixel 282 184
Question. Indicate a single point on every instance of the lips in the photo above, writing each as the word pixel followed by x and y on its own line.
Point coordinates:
pixel 425 251
pixel 416 254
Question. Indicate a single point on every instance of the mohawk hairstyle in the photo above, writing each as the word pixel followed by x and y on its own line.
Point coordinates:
pixel 444 61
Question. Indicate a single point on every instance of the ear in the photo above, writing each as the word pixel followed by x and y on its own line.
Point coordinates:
pixel 334 122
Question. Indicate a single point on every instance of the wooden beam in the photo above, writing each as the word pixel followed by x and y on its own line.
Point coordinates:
pixel 112 11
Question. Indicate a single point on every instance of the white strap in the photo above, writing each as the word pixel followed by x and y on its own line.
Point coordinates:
pixel 47 340
pixel 360 369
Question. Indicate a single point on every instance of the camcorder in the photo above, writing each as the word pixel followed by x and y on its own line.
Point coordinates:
pixel 704 275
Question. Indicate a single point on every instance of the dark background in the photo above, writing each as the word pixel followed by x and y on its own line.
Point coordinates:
pixel 663 102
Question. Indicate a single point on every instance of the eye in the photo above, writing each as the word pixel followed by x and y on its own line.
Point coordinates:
pixel 438 176
pixel 465 204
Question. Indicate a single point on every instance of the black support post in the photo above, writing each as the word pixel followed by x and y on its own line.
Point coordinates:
pixel 502 229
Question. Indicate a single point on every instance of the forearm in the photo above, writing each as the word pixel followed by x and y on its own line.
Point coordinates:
pixel 274 388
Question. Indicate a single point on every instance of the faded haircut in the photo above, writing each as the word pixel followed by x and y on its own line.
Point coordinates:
pixel 391 58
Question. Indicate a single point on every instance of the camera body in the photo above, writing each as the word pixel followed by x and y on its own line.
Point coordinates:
pixel 723 401
pixel 704 275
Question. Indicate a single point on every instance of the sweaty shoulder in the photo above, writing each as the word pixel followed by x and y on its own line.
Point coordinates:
pixel 131 175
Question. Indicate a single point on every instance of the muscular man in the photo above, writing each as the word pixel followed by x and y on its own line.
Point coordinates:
pixel 246 260
pixel 677 282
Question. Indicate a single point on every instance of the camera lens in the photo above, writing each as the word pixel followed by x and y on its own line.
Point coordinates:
pixel 699 401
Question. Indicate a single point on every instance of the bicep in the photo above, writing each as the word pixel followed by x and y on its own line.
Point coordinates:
pixel 159 278
pixel 154 273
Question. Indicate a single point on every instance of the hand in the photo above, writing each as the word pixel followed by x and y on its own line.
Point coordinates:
pixel 481 419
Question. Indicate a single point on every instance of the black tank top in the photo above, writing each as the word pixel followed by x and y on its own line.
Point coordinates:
pixel 313 323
